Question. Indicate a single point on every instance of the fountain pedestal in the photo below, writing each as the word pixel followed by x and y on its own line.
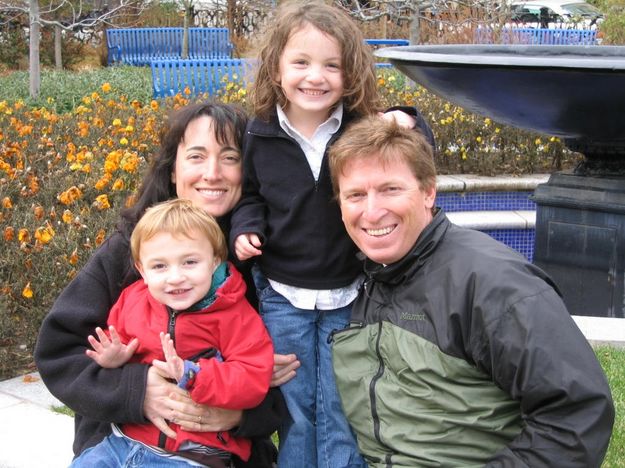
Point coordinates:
pixel 576 93
pixel 580 241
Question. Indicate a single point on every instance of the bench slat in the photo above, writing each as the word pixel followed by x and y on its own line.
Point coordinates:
pixel 170 77
pixel 139 46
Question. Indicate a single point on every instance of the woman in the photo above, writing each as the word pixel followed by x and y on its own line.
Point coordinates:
pixel 199 160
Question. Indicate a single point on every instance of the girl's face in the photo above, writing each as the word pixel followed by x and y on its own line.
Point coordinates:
pixel 311 75
pixel 206 172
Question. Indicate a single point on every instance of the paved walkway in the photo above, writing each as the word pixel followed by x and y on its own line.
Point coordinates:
pixel 33 436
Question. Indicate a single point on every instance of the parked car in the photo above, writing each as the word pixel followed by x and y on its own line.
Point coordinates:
pixel 555 12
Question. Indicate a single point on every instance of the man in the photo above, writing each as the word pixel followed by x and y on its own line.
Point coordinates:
pixel 459 351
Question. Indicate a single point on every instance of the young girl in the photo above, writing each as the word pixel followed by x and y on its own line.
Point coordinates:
pixel 315 76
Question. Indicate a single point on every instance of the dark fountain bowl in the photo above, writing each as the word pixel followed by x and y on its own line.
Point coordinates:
pixel 573 92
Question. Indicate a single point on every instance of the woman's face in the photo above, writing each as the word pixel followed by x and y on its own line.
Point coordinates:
pixel 206 172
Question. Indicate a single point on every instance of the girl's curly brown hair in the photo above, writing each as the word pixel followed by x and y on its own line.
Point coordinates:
pixel 360 93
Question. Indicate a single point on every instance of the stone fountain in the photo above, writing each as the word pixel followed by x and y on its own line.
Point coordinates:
pixel 578 94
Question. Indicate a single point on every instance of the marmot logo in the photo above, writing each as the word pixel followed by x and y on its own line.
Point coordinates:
pixel 412 317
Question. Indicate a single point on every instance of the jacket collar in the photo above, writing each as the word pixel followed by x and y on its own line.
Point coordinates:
pixel 426 244
pixel 271 128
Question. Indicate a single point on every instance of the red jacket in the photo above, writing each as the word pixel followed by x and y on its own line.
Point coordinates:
pixel 229 324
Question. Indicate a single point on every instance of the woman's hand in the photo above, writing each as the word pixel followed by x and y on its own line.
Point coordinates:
pixel 157 405
pixel 194 417
pixel 284 366
pixel 164 401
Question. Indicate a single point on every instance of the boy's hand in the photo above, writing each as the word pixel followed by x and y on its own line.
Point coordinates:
pixel 110 352
pixel 173 366
pixel 247 246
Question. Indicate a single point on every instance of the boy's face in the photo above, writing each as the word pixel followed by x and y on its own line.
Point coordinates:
pixel 311 75
pixel 177 270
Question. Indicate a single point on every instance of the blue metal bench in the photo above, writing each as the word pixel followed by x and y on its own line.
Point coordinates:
pixel 536 36
pixel 170 77
pixel 139 46
pixel 375 43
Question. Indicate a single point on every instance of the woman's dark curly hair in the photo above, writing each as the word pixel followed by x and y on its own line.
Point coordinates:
pixel 229 122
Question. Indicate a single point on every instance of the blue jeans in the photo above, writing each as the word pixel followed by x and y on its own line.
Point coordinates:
pixel 316 434
pixel 116 452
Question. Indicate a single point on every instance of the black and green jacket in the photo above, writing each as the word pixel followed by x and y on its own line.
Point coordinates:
pixel 463 354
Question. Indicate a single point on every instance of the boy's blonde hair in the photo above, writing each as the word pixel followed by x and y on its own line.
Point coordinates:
pixel 386 141
pixel 179 218
pixel 360 94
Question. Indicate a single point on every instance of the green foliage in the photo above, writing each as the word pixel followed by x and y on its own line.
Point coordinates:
pixel 613 26
pixel 613 362
pixel 13 45
pixel 63 410
pixel 63 91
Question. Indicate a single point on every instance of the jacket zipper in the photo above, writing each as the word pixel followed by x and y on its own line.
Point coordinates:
pixel 171 329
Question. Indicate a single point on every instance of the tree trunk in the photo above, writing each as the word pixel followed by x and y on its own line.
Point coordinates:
pixel 58 54
pixel 188 15
pixel 34 68
pixel 415 30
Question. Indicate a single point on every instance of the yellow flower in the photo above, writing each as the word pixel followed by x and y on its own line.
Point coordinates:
pixel 67 217
pixel 123 141
pixel 117 123
pixel 479 139
pixel 27 292
pixel 44 234
pixel 102 202
pixel 129 129
pixel 537 141
pixel 106 87
pixel 118 185
pixel 23 235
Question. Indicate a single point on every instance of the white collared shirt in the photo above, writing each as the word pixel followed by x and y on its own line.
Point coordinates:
pixel 314 149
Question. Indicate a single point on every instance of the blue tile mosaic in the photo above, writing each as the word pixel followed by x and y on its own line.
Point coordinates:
pixel 485 201
pixel 521 240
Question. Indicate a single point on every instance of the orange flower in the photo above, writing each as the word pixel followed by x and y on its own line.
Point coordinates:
pixel 9 233
pixel 70 195
pixel 27 292
pixel 7 203
pixel 73 258
pixel 106 87
pixel 154 105
pixel 100 236
pixel 38 211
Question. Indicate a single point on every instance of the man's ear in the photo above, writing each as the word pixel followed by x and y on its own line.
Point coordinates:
pixel 430 196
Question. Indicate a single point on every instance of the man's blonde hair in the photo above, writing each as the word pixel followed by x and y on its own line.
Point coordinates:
pixel 386 141
pixel 179 218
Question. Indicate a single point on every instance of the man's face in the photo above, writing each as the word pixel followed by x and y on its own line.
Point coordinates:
pixel 384 208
